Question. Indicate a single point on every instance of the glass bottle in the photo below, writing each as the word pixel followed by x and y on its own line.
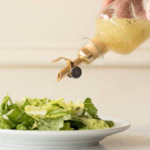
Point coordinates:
pixel 121 27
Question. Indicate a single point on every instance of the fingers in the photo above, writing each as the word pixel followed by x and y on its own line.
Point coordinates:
pixel 124 9
pixel 148 11
pixel 139 8
pixel 106 3
pixel 107 12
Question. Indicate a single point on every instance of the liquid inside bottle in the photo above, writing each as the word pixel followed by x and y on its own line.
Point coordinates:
pixel 122 35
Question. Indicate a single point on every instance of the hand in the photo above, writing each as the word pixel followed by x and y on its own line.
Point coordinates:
pixel 125 4
pixel 148 11
pixel 106 3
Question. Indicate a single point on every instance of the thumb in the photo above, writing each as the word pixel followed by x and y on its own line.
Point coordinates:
pixel 106 3
pixel 148 11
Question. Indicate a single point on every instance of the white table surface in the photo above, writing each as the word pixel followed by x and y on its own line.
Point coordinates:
pixel 136 138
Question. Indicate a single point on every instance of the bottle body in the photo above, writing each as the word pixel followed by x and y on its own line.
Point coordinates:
pixel 122 26
pixel 122 35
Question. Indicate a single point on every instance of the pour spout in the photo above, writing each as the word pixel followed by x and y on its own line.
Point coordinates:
pixel 67 71
pixel 86 54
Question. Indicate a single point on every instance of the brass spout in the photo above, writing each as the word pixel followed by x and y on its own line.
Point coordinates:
pixel 86 54
pixel 67 70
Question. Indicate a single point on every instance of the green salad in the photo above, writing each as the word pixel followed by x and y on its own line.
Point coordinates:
pixel 47 114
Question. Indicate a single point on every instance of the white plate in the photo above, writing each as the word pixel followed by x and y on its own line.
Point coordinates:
pixel 56 140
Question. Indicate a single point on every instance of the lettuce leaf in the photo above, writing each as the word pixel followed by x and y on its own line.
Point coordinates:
pixel 95 124
pixel 4 124
pixel 51 124
pixel 21 127
pixel 110 123
pixel 90 108
pixel 6 105
pixel 67 126
pixel 19 117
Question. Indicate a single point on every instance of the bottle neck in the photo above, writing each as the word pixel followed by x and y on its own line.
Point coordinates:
pixel 87 54
pixel 92 50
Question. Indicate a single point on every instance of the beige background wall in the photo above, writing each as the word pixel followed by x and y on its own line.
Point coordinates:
pixel 33 32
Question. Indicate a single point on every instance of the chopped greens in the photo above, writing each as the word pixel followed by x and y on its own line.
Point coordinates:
pixel 53 115
pixel 90 108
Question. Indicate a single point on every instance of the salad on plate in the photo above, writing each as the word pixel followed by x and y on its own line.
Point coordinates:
pixel 50 115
